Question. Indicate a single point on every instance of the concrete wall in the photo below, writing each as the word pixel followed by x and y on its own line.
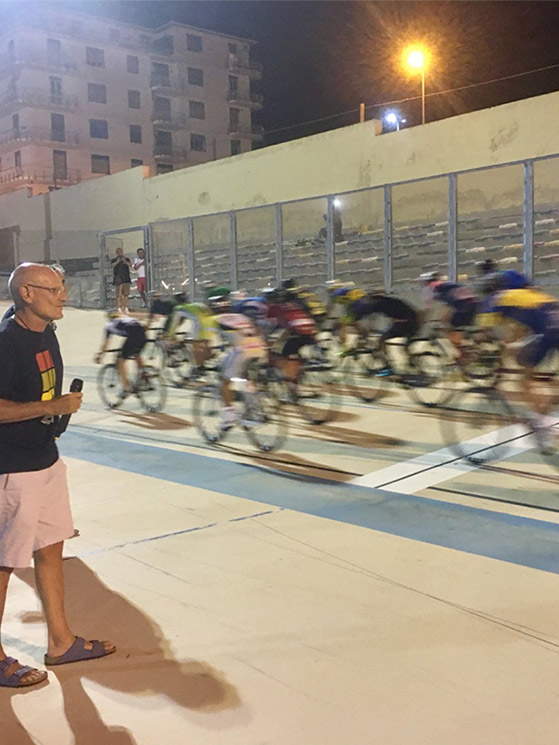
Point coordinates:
pixel 342 160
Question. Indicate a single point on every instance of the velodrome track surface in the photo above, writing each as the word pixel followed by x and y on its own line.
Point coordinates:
pixel 359 586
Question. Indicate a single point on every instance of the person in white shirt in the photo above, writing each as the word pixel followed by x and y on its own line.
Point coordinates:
pixel 140 267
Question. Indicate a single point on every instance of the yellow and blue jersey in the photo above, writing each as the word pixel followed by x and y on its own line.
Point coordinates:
pixel 529 307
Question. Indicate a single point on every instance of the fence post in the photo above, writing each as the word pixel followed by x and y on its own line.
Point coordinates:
pixel 330 243
pixel 233 249
pixel 190 259
pixel 148 262
pixel 452 228
pixel 387 237
pixel 279 243
pixel 528 252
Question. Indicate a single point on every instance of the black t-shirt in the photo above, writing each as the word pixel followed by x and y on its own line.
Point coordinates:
pixel 386 305
pixel 121 271
pixel 30 370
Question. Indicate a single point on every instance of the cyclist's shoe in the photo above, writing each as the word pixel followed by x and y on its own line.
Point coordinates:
pixel 228 418
pixel 543 431
pixel 384 372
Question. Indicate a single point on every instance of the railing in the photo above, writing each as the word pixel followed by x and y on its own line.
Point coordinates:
pixel 50 176
pixel 245 99
pixel 242 130
pixel 167 82
pixel 168 151
pixel 246 66
pixel 43 62
pixel 33 134
pixel 175 121
pixel 39 98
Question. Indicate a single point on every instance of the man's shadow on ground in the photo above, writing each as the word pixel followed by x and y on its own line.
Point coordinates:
pixel 142 666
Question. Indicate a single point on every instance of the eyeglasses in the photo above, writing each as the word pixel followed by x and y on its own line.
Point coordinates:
pixel 53 290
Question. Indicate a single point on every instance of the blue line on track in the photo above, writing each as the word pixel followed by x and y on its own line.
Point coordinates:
pixel 517 540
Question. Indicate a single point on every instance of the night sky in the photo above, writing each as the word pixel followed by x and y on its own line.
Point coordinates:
pixel 321 59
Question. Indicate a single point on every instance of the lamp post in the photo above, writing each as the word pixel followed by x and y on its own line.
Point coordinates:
pixel 416 59
pixel 393 118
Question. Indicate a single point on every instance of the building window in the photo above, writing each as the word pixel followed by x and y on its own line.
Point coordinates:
pixel 59 164
pixel 164 168
pixel 135 162
pixel 96 93
pixel 95 57
pixel 15 126
pixel 135 133
pixel 100 164
pixel 99 128
pixel 57 128
pixel 160 74
pixel 232 48
pixel 235 147
pixel 53 51
pixel 198 142
pixel 17 159
pixel 55 90
pixel 193 43
pixel 162 109
pixel 133 99
pixel 197 109
pixel 195 76
pixel 132 64
pixel 164 46
pixel 233 85
pixel 234 120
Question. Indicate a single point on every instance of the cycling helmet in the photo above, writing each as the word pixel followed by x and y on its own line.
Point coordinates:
pixel 488 266
pixel 427 277
pixel 288 284
pixel 272 294
pixel 114 313
pixel 219 303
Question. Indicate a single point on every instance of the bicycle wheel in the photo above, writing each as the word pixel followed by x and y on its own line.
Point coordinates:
pixel 481 426
pixel 154 355
pixel 109 386
pixel 151 389
pixel 181 366
pixel 206 409
pixel 263 418
pixel 428 378
pixel 482 360
pixel 316 392
pixel 366 374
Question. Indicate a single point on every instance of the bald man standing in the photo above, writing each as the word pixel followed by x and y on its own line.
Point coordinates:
pixel 35 516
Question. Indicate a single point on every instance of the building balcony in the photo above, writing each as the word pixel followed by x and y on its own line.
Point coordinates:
pixel 168 85
pixel 36 61
pixel 14 178
pixel 168 152
pixel 175 121
pixel 37 135
pixel 242 66
pixel 254 100
pixel 38 99
pixel 245 132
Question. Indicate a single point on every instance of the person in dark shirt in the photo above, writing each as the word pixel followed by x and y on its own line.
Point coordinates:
pixel 121 279
pixel 35 516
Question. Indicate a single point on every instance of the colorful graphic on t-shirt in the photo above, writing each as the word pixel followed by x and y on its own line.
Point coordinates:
pixel 48 374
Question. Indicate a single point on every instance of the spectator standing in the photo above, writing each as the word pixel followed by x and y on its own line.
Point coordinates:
pixel 140 268
pixel 35 516
pixel 121 279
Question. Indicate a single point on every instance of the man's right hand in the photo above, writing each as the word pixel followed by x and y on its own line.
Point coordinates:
pixel 68 403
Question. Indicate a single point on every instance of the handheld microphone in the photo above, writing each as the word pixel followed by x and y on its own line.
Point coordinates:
pixel 75 387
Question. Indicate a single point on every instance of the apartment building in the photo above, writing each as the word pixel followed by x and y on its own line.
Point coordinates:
pixel 82 96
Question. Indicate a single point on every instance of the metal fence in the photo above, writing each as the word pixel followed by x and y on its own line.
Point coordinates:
pixel 379 237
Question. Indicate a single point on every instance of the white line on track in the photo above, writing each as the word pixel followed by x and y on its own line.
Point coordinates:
pixel 433 468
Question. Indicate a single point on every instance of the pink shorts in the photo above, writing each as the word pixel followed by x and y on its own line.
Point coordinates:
pixel 34 513
pixel 141 284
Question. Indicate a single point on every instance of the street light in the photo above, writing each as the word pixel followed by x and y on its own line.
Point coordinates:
pixel 416 59
pixel 392 118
